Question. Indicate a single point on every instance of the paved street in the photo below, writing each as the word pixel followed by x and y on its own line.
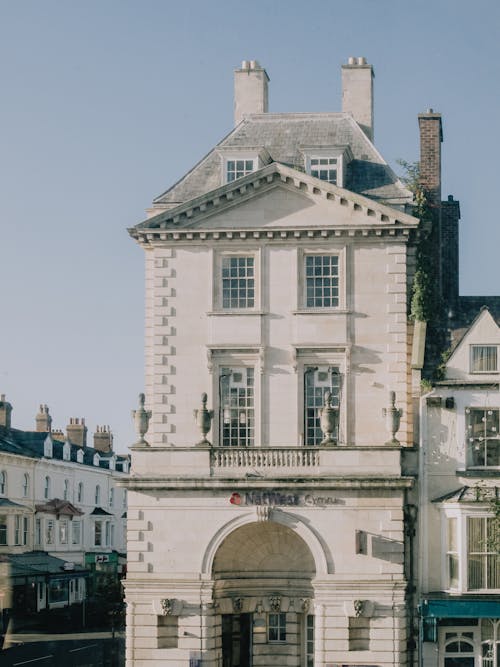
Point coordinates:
pixel 86 649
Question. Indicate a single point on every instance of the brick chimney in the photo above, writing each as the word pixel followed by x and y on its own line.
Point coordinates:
pixel 357 93
pixel 250 90
pixel 77 431
pixel 5 412
pixel 431 138
pixel 43 420
pixel 103 439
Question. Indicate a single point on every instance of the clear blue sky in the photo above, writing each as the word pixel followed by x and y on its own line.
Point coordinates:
pixel 105 103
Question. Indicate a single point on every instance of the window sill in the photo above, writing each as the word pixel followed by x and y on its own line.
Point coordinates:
pixel 321 311
pixel 216 313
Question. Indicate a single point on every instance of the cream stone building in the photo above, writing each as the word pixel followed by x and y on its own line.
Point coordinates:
pixel 268 528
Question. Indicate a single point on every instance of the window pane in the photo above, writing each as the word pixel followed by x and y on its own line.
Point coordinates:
pixel 317 381
pixel 238 283
pixel 484 359
pixel 322 273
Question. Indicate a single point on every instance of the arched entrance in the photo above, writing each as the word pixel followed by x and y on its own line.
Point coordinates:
pixel 262 575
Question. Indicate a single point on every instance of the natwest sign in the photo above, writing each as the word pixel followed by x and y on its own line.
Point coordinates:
pixel 281 498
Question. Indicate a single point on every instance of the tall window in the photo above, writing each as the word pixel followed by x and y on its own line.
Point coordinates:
pixel 26 484
pixel 238 168
pixel 98 536
pixel 18 527
pixel 3 482
pixel 80 492
pixel 25 530
pixel 452 553
pixel 309 641
pixel 483 439
pixel 46 488
pixel 66 489
pixel 324 168
pixel 484 358
pixel 277 627
pixel 483 559
pixel 38 531
pixel 322 281
pixel 63 531
pixel 76 532
pixel 238 282
pixel 237 419
pixel 3 530
pixel 97 494
pixel 318 381
pixel 49 531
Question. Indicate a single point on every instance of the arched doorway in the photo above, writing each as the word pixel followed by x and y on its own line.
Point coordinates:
pixel 262 576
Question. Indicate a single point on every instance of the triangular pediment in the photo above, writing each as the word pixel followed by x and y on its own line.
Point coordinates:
pixel 277 197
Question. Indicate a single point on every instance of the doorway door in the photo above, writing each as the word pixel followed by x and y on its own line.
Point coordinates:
pixel 237 640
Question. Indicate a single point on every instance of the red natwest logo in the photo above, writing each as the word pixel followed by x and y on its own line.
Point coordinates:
pixel 235 499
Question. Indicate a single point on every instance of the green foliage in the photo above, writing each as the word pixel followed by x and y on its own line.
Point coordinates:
pixel 494 536
pixel 424 305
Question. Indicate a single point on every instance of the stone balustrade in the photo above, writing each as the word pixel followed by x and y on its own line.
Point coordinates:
pixel 292 457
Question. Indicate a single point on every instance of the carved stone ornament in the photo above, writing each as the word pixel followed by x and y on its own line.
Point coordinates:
pixel 275 603
pixel 141 419
pixel 392 416
pixel 237 605
pixel 203 418
pixel 358 607
pixel 263 512
pixel 305 604
pixel 167 606
pixel 328 420
pixel 259 607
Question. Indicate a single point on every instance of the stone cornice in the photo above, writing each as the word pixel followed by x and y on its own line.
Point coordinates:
pixel 346 482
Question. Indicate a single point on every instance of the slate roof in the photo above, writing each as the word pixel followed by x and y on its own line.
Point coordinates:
pixel 284 136
pixel 31 444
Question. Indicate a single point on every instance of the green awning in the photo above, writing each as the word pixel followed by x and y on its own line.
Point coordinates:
pixel 474 608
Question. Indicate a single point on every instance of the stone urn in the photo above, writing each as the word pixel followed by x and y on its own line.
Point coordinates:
pixel 141 419
pixel 328 420
pixel 203 419
pixel 392 416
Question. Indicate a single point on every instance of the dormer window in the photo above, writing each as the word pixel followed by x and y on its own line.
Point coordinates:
pixel 238 168
pixel 324 168
pixel 484 359
pixel 328 163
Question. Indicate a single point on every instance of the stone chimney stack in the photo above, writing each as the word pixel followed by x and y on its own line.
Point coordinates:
pixel 5 412
pixel 103 439
pixel 43 420
pixel 431 138
pixel 250 90
pixel 357 93
pixel 77 431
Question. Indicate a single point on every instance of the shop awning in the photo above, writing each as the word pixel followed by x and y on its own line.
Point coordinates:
pixel 474 608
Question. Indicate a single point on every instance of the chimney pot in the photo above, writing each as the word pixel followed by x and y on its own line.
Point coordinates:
pixel 76 431
pixel 351 61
